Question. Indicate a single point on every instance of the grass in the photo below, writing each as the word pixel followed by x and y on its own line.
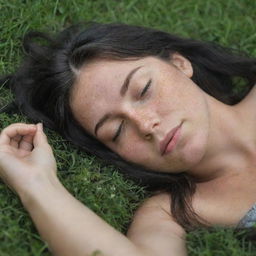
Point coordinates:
pixel 103 189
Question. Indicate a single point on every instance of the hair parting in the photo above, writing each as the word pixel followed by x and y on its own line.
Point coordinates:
pixel 43 82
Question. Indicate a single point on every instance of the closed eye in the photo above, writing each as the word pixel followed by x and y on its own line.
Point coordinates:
pixel 118 132
pixel 145 88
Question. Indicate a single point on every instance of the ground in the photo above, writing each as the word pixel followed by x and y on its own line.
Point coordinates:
pixel 230 23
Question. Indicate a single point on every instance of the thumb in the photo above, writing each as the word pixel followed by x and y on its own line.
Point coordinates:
pixel 40 138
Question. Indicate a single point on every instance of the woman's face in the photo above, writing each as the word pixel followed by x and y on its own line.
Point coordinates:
pixel 132 106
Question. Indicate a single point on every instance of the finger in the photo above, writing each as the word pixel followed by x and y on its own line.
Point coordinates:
pixel 40 138
pixel 11 131
pixel 26 142
pixel 14 142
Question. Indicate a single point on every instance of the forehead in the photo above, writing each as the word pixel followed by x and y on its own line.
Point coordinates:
pixel 96 89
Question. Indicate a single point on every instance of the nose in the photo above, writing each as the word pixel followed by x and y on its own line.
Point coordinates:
pixel 145 121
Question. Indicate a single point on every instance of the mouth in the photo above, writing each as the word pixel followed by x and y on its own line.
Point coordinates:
pixel 169 142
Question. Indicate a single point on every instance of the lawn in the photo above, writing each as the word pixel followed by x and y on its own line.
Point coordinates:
pixel 102 188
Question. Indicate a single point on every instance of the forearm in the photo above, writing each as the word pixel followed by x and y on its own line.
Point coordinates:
pixel 70 228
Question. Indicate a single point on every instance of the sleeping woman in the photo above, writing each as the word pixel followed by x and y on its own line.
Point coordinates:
pixel 164 109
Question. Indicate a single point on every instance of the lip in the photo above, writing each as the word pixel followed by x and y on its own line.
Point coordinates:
pixel 170 140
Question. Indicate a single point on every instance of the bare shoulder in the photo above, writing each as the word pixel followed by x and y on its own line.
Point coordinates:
pixel 157 209
pixel 161 201
pixel 154 230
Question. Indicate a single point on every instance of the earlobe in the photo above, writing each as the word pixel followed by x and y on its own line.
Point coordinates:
pixel 182 63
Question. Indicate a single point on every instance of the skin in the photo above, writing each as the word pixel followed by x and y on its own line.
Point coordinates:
pixel 217 146
pixel 171 99
pixel 28 167
pixel 210 133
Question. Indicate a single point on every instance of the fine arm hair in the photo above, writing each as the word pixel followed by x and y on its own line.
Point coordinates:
pixel 42 84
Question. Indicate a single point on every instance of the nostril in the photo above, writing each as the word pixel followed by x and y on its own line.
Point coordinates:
pixel 148 136
pixel 155 124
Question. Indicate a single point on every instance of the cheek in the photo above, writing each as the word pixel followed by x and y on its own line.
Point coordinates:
pixel 195 147
pixel 176 88
pixel 134 150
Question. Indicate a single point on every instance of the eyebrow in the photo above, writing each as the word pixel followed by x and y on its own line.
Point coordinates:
pixel 127 80
pixel 123 90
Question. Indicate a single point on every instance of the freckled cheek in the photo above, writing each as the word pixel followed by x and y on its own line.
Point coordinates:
pixel 179 96
pixel 135 151
pixel 167 95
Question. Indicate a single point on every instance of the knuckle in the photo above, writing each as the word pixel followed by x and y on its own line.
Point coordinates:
pixel 4 130
pixel 10 126
pixel 16 125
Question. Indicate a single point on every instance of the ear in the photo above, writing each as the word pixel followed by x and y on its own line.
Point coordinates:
pixel 183 64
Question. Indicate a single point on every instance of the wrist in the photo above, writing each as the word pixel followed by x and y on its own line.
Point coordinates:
pixel 38 189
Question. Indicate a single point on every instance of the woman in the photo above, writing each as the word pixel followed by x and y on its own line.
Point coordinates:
pixel 160 107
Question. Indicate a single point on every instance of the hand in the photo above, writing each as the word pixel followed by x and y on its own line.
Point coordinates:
pixel 26 158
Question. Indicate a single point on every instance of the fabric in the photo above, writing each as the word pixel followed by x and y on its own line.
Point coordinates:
pixel 249 219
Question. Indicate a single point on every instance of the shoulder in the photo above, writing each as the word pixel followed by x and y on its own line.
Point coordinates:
pixel 154 230
pixel 160 200
pixel 156 211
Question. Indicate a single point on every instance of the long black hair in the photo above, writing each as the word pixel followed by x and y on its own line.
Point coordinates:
pixel 43 81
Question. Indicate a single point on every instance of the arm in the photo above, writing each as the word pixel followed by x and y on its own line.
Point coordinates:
pixel 28 167
pixel 70 228
pixel 55 212
pixel 154 230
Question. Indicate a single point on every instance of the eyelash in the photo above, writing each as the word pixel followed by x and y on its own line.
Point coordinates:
pixel 121 125
pixel 146 88
pixel 118 131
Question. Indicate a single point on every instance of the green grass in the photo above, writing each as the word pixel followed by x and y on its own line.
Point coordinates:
pixel 103 189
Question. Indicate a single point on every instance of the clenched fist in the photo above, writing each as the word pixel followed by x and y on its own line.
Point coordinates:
pixel 26 158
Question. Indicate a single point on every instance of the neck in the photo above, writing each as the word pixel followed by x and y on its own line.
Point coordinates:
pixel 231 144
